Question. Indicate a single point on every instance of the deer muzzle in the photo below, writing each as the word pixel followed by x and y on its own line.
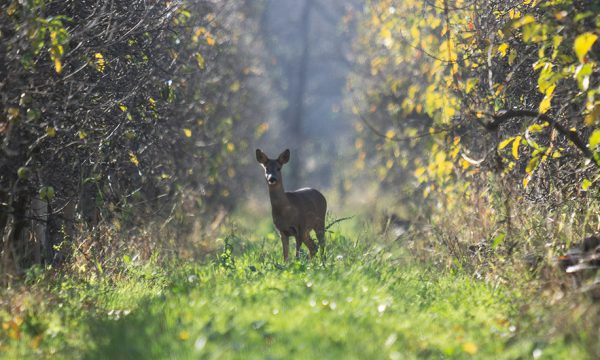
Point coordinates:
pixel 272 180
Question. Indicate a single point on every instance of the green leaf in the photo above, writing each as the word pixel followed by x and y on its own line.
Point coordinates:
pixel 585 184
pixel 498 239
pixel 200 61
pixel 23 173
pixel 46 193
pixel 583 44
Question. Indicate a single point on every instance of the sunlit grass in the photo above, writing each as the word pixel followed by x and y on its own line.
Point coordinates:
pixel 366 301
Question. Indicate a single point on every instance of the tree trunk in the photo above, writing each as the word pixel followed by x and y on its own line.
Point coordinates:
pixel 297 102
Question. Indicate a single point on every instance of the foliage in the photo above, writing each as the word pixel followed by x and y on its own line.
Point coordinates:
pixel 114 117
pixel 503 86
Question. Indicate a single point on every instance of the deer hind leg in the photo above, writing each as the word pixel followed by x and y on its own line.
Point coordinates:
pixel 320 231
pixel 310 244
pixel 285 242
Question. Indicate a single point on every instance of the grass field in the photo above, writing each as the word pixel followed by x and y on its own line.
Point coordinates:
pixel 368 300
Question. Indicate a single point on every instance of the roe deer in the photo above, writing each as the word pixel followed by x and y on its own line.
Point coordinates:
pixel 295 213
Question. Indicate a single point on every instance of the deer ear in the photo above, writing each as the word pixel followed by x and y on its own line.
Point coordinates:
pixel 261 157
pixel 284 157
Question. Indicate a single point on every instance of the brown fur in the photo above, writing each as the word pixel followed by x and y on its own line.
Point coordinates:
pixel 295 213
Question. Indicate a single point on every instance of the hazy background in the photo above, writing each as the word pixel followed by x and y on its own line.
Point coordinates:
pixel 308 45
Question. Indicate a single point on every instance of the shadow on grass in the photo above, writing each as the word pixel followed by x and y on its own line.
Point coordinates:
pixel 137 335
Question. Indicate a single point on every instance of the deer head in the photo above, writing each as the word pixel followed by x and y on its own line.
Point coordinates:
pixel 273 166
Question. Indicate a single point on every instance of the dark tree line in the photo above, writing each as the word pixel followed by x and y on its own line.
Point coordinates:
pixel 113 112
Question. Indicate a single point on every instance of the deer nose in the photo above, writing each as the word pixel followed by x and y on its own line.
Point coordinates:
pixel 271 179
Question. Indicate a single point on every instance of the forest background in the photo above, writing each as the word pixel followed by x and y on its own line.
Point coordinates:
pixel 460 135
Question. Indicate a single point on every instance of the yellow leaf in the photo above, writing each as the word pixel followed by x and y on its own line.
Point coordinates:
pixel 57 65
pixel 235 87
pixel 537 127
pixel 184 335
pixel 470 84
pixel 187 132
pixel 523 21
pixel 35 342
pixel 546 102
pixel 505 143
pixel 515 147
pixel 230 147
pixel 556 154
pixel 261 129
pixel 594 139
pixel 470 348
pixel 502 49
pixel 13 113
pixel 133 158
pixel 593 116
pixel 51 131
pixel 414 32
pixel 583 44
pixel 210 40
pixel 559 15
pixel 532 165
pixel 514 13
pixel 585 184
pixel 419 171
pixel 100 63
pixel 526 180
pixel 12 8
pixel 512 56
pixel 447 48
pixel 385 33
pixel 199 31
pixel 390 134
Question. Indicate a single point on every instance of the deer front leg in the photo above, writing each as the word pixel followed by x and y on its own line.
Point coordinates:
pixel 298 244
pixel 285 242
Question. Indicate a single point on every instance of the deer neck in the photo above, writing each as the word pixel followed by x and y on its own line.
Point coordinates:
pixel 278 197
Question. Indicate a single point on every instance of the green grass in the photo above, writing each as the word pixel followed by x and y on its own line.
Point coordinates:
pixel 367 301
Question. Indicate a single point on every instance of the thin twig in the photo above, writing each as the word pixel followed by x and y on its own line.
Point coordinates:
pixel 337 221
